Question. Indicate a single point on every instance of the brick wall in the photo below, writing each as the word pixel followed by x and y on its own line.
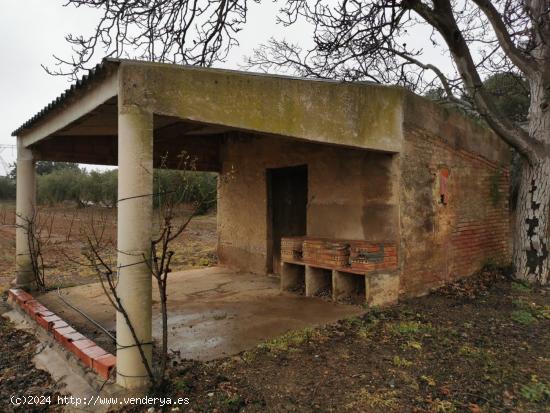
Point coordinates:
pixel 454 212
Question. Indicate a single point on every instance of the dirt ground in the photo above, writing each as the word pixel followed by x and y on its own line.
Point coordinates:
pixel 477 346
pixel 64 230
pixel 18 376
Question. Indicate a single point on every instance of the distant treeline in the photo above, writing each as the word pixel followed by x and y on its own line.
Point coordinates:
pixel 60 182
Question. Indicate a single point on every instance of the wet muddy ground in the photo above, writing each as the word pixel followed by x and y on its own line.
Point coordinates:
pixel 478 346
pixel 212 312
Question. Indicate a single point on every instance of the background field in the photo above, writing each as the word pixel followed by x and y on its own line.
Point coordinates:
pixel 64 232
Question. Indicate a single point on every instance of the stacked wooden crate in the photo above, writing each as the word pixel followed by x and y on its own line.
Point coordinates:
pixel 359 256
pixel 291 248
pixel 325 252
pixel 370 256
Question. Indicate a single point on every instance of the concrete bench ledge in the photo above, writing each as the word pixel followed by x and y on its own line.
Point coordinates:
pixel 373 288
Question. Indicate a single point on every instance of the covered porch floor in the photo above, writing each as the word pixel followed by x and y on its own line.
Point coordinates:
pixel 212 312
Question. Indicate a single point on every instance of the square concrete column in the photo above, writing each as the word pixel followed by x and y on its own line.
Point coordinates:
pixel 382 289
pixel 316 280
pixel 25 209
pixel 135 215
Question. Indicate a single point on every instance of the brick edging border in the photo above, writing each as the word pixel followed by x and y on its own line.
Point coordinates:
pixel 88 352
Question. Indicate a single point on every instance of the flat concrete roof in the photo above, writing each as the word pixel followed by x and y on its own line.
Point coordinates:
pixel 358 115
pixel 193 107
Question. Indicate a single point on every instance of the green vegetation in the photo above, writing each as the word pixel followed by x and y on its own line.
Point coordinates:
pixel 510 94
pixel 535 391
pixel 377 399
pixel 401 362
pixel 291 339
pixel 7 188
pixel 521 287
pixel 61 182
pixel 411 328
pixel 523 317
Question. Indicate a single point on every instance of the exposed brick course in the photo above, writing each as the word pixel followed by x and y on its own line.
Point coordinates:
pixel 442 241
pixel 86 350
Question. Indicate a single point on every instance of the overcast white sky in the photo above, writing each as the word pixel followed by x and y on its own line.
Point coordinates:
pixel 32 30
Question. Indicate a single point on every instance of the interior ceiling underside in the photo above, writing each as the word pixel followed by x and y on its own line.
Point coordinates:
pixel 92 139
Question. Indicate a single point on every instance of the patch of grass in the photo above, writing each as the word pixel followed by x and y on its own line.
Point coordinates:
pixel 401 362
pixel 443 406
pixel 291 339
pixel 411 328
pixel 248 356
pixel 430 381
pixel 469 351
pixel 535 391
pixel 535 310
pixel 233 403
pixel 364 333
pixel 353 322
pixel 521 287
pixel 182 384
pixel 414 344
pixel 523 317
pixel 378 399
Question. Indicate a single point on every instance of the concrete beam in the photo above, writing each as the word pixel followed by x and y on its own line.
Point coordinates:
pixel 135 216
pixel 73 110
pixel 361 116
pixel 25 209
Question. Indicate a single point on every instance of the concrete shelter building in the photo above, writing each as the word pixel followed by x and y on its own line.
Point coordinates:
pixel 320 159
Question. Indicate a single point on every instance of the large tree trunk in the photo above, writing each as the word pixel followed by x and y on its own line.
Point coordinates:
pixel 531 257
pixel 532 232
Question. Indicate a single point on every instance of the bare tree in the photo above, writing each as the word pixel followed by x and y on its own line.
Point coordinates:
pixel 170 197
pixel 178 31
pixel 367 40
pixel 38 231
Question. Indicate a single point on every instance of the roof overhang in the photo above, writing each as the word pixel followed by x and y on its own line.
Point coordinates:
pixel 355 115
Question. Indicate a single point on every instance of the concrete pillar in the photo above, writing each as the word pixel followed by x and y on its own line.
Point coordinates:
pixel 135 215
pixel 316 280
pixel 25 208
pixel 292 276
pixel 382 289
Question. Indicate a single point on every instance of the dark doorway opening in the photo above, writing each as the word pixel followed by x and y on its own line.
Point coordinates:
pixel 287 209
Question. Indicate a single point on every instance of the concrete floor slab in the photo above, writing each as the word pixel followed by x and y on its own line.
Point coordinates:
pixel 213 312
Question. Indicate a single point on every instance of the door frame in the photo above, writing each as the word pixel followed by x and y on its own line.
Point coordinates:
pixel 269 197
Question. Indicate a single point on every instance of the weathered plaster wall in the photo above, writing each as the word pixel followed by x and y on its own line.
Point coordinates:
pixel 352 194
pixel 442 241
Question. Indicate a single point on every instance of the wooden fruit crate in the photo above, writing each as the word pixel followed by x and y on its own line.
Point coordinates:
pixel 326 252
pixel 291 248
pixel 369 256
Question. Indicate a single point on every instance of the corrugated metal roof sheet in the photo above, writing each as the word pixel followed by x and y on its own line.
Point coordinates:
pixel 99 69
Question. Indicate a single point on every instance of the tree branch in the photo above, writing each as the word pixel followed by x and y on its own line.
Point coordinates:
pixel 520 59
pixel 442 19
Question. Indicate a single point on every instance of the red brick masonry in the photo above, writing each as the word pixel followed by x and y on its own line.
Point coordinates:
pixel 86 350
